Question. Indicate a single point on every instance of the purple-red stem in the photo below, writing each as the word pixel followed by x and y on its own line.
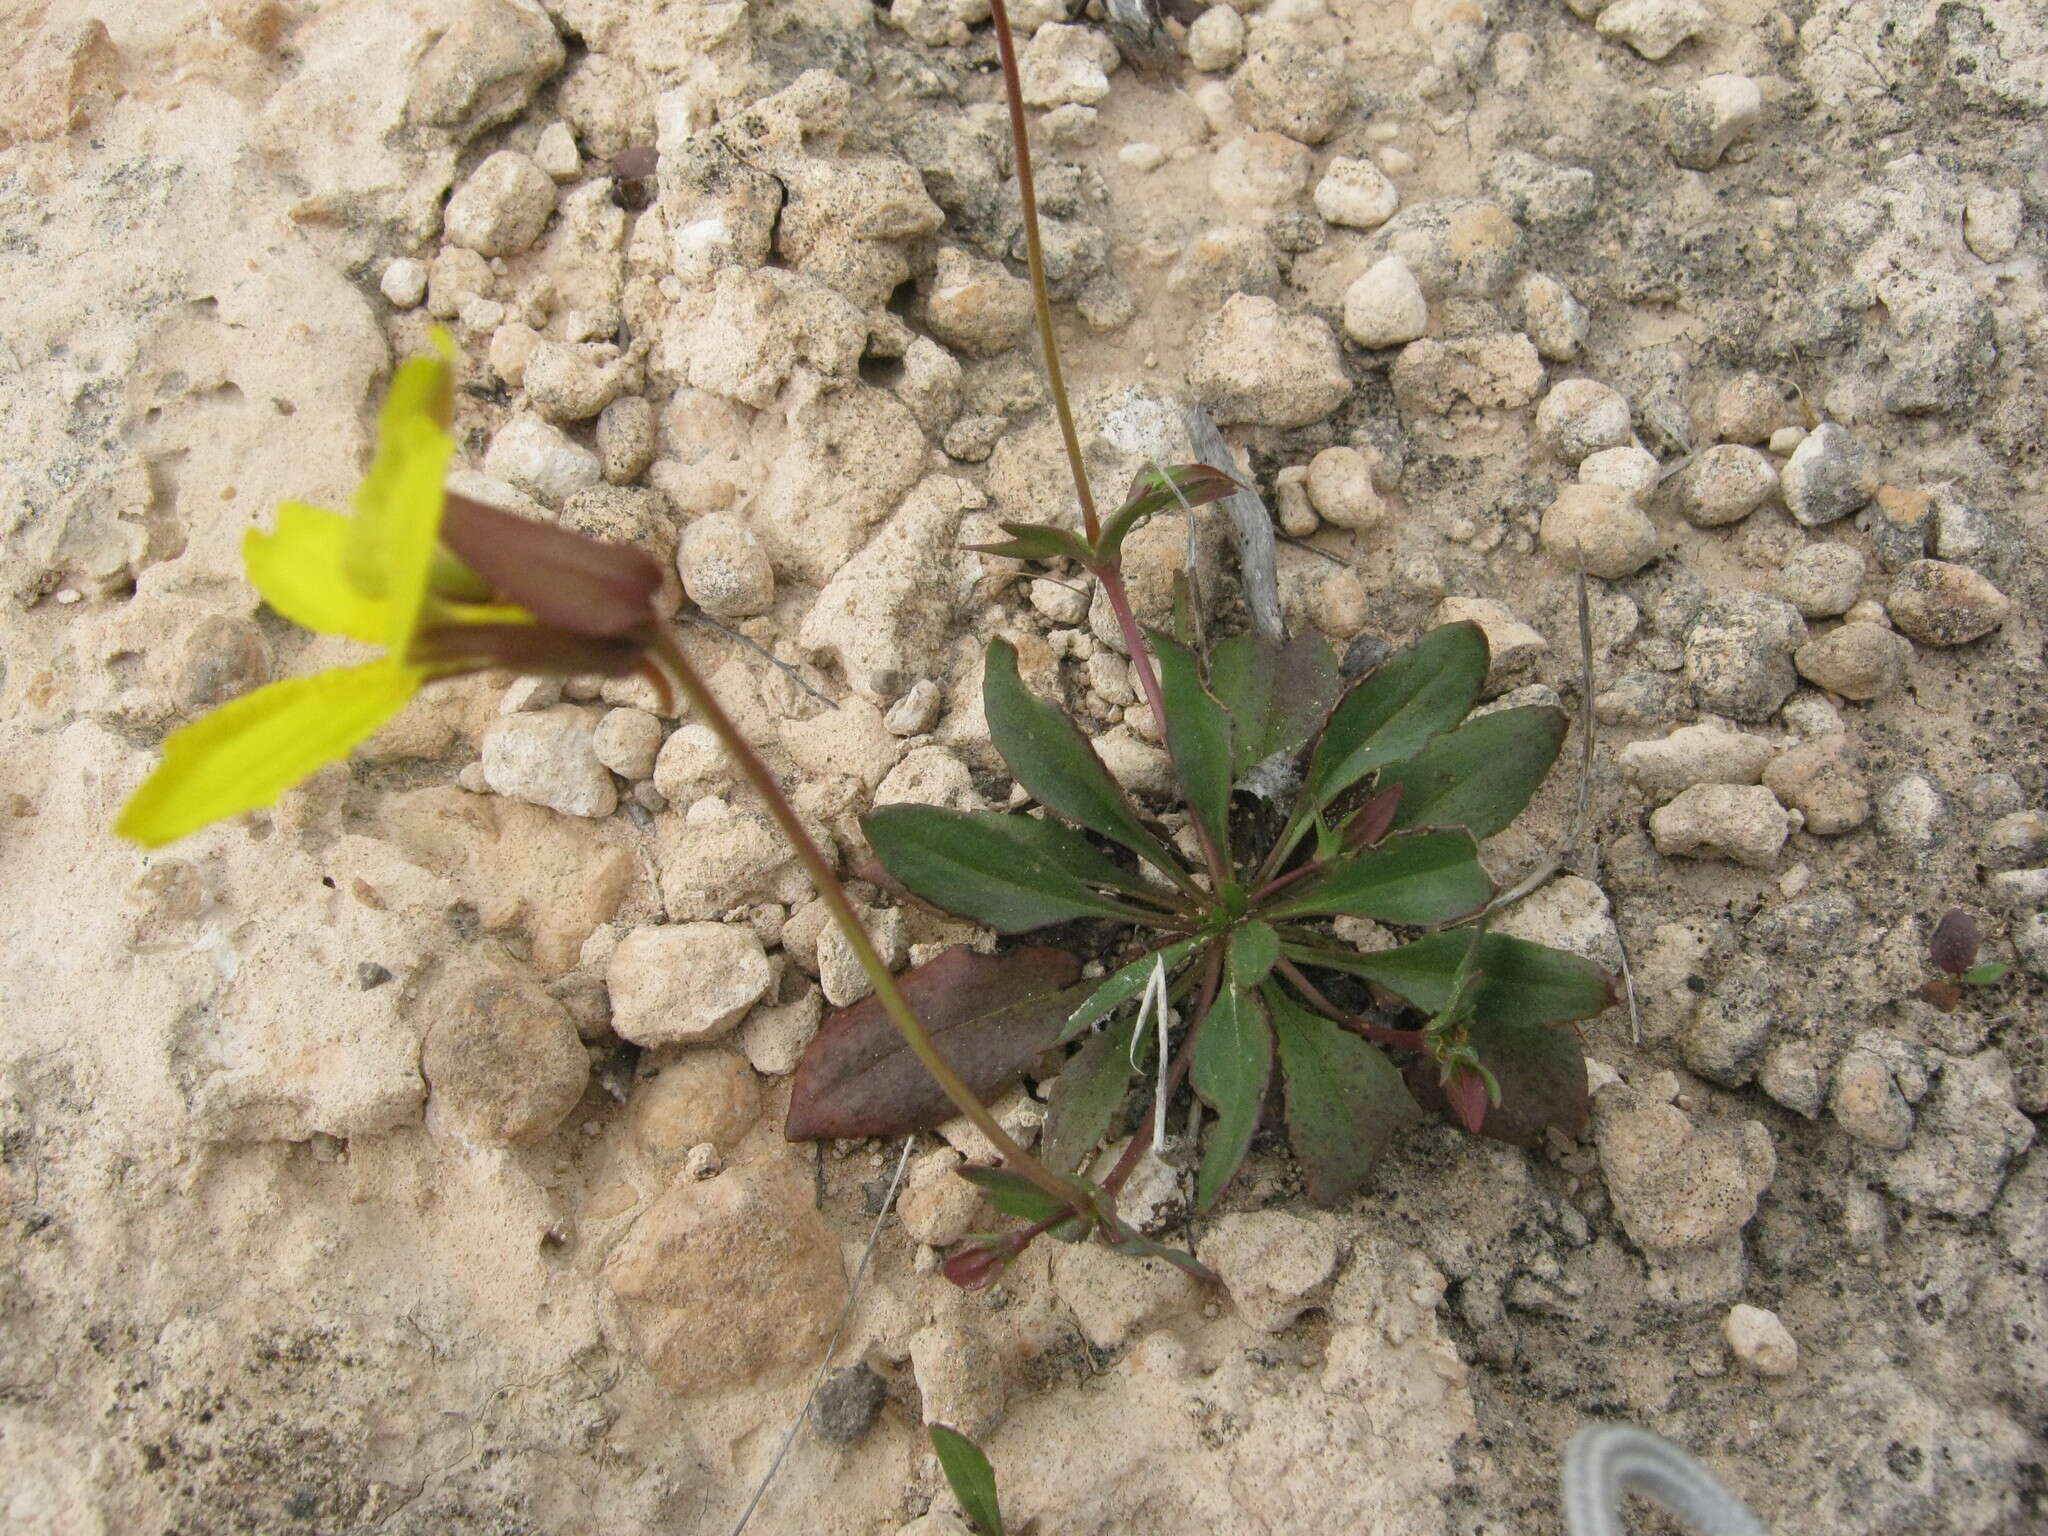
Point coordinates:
pixel 1379 1034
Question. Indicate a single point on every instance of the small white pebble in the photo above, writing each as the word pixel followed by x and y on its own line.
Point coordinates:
pixel 1141 156
pixel 1760 1341
pixel 1785 439
pixel 66 596
pixel 556 154
pixel 405 283
pixel 1795 880
pixel 1394 160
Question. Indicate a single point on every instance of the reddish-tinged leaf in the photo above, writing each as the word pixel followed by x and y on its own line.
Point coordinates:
pixel 1371 822
pixel 1345 1100
pixel 990 1016
pixel 527 648
pixel 1954 945
pixel 1277 696
pixel 976 1268
pixel 561 577
pixel 1465 1093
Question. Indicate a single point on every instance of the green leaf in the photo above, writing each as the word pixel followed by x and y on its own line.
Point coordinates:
pixel 1155 491
pixel 1425 877
pixel 1198 737
pixel 1276 695
pixel 1539 1069
pixel 1035 541
pixel 1014 873
pixel 1984 975
pixel 1012 1193
pixel 1519 982
pixel 1345 1100
pixel 1416 694
pixel 1233 1063
pixel 972 1479
pixel 1090 1090
pixel 1122 985
pixel 1480 775
pixel 1055 763
pixel 989 1015
pixel 1254 946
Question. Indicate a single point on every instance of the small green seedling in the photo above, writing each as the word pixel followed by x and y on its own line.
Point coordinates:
pixel 1953 951
pixel 972 1479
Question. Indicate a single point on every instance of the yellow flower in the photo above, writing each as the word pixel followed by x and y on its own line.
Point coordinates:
pixel 384 578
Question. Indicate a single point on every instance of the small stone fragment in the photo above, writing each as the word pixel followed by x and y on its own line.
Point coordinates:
pixel 1555 321
pixel 725 571
pixel 567 381
pixel 1256 363
pixel 847 1403
pixel 502 207
pixel 1910 812
pixel 1063 64
pixel 1820 780
pixel 959 1376
pixel 1582 416
pixel 1749 408
pixel 976 305
pixel 1497 372
pixel 702 1097
pixel 404 283
pixel 1696 754
pixel 1293 82
pixel 1760 1341
pixel 1727 821
pixel 1512 644
pixel 1275 1265
pixel 680 983
pixel 1725 484
pixel 2018 840
pixel 1867 1104
pixel 555 153
pixel 1856 661
pixel 1701 121
pixel 937 1206
pixel 626 741
pixel 1356 194
pixel 539 460
pixel 1969 1136
pixel 1677 1185
pixel 1822 580
pixel 1829 475
pixel 1260 172
pixel 1654 27
pixel 1384 306
pixel 546 757
pixel 1942 604
pixel 1991 222
pixel 625 439
pixel 1738 656
pixel 1601 526
pixel 917 711
pixel 1631 470
pixel 1341 489
pixel 1216 39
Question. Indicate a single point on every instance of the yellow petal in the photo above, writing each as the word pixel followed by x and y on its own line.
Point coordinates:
pixel 300 571
pixel 398 507
pixel 247 753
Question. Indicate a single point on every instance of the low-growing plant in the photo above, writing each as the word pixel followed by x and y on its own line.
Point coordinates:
pixel 1953 951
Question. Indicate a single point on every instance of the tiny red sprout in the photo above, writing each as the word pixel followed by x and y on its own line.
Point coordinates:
pixel 977 1267
pixel 633 163
pixel 1467 1096
pixel 1954 946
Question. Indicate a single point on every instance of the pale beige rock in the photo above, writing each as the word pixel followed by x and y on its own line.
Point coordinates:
pixel 547 758
pixel 1340 488
pixel 937 1206
pixel 840 975
pixel 725 570
pixel 1113 1298
pixel 1696 754
pixel 1582 416
pixel 933 775
pixel 976 305
pixel 1356 194
pixel 730 1281
pixel 1256 363
pixel 627 741
pixel 774 1035
pixel 1512 644
pixel 682 983
pixel 959 1376
pixel 1725 484
pixel 1820 780
pixel 1760 1341
pixel 502 207
pixel 1857 661
pixel 1384 306
pixel 1276 1265
pixel 1938 603
pixel 851 457
pixel 1500 372
pixel 1602 527
pixel 1677 1184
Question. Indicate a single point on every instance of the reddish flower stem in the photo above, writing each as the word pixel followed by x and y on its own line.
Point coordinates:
pixel 1379 1034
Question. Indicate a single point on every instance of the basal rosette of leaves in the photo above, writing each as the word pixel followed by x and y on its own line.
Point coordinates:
pixel 1397 782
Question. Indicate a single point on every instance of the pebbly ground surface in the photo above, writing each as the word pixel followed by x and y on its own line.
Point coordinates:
pixel 407 1159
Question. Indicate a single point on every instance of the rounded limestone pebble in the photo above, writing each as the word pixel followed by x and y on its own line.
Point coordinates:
pixel 1738 656
pixel 1341 490
pixel 570 381
pixel 1260 171
pixel 626 741
pixel 1602 526
pixel 546 757
pixel 1942 604
pixel 1216 39
pixel 1821 781
pixel 1582 416
pixel 1294 84
pixel 1552 318
pixel 1701 121
pixel 626 439
pixel 503 1067
pixel 1632 469
pixel 725 570
pixel 1829 475
pixel 681 983
pixel 1384 306
pixel 697 1097
pixel 1760 1341
pixel 502 207
pixel 405 283
pixel 1725 484
pixel 1857 661
pixel 1356 194
pixel 1748 408
pixel 1822 580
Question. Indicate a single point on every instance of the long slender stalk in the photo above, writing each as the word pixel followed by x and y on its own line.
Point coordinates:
pixel 1148 681
pixel 1034 252
pixel 827 883
pixel 1401 1039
